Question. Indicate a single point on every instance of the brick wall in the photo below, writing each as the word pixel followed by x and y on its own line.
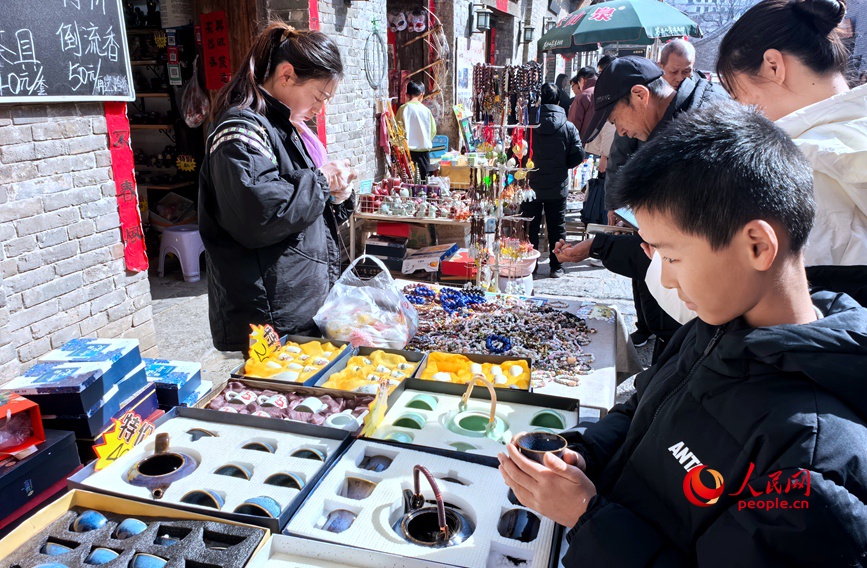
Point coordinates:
pixel 62 272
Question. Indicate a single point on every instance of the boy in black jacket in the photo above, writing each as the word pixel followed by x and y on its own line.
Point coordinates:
pixel 745 444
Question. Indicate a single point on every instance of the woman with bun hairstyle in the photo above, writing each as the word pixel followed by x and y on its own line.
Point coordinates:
pixel 786 57
pixel 267 214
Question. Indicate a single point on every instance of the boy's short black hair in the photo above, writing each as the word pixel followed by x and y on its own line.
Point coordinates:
pixel 604 61
pixel 549 94
pixel 584 73
pixel 716 169
pixel 414 88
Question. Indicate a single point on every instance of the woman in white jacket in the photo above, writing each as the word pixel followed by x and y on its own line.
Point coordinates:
pixel 785 56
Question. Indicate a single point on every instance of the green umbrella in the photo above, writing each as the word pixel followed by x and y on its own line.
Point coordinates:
pixel 637 22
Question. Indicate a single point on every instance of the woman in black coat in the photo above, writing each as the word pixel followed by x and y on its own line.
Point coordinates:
pixel 556 150
pixel 267 215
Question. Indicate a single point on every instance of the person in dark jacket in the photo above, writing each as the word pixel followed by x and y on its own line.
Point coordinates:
pixel 563 92
pixel 556 150
pixel 268 217
pixel 744 444
pixel 633 94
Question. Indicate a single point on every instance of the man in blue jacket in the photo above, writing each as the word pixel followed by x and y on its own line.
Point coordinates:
pixel 744 444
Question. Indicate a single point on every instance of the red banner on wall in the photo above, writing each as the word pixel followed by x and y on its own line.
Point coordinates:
pixel 125 188
pixel 215 49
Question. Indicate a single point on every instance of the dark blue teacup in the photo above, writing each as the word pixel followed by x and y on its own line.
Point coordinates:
pixel 534 445
pixel 99 556
pixel 54 549
pixel 260 507
pixel 129 528
pixel 143 560
pixel 89 521
pixel 204 498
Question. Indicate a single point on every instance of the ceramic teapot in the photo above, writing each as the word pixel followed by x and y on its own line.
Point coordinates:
pixel 160 469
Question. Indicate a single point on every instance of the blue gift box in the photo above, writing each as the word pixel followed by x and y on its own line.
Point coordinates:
pixel 175 380
pixel 66 388
pixel 94 420
pixel 123 354
pixel 197 395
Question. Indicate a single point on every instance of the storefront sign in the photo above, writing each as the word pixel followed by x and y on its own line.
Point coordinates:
pixel 125 187
pixel 215 49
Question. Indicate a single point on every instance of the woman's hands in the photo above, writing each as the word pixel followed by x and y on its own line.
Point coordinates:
pixel 340 175
pixel 559 489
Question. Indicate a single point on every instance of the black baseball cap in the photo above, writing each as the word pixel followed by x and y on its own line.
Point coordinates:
pixel 615 82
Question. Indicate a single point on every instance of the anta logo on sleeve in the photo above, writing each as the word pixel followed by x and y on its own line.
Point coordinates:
pixel 694 488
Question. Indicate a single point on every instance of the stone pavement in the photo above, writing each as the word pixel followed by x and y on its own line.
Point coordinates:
pixel 180 311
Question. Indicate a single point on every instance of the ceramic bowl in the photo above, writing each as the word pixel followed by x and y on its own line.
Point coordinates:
pixel 312 405
pixel 339 520
pixel 375 463
pixel 234 470
pixel 411 420
pixel 309 454
pixel 423 401
pixel 89 521
pixel 129 528
pixel 260 507
pixel 143 560
pixel 534 445
pixel 343 420
pixel 549 419
pixel 356 488
pixel 289 480
pixel 100 556
pixel 398 436
pixel 54 549
pixel 204 498
pixel 259 447
pixel 519 524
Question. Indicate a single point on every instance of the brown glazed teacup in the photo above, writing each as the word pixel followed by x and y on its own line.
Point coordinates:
pixel 534 445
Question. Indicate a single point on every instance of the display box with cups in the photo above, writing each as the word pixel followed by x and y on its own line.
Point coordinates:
pixel 232 466
pixel 284 551
pixel 285 401
pixel 431 414
pixel 396 375
pixel 84 529
pixel 382 498
pixel 284 378
pixel 496 361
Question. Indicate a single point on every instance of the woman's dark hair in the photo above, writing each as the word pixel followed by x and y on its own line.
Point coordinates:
pixel 803 28
pixel 313 55
pixel 558 82
pixel 414 89
pixel 549 94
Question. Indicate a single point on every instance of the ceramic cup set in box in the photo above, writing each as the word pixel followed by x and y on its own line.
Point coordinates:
pixel 225 466
pixel 435 419
pixel 83 529
pixel 369 500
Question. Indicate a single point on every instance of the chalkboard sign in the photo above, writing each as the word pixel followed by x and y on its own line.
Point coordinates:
pixel 63 50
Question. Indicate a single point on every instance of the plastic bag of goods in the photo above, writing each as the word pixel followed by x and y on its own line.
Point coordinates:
pixel 195 104
pixel 368 312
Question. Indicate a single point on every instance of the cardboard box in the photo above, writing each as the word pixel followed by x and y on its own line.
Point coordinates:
pixel 12 404
pixel 105 503
pixel 390 247
pixel 91 423
pixel 238 373
pixel 459 264
pixel 389 229
pixel 428 258
pixel 123 354
pixel 201 392
pixel 21 481
pixel 393 264
pixel 209 416
pixel 175 380
pixel 64 388
pixel 143 404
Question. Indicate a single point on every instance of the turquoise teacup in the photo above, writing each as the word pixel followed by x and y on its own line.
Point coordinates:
pixel 143 560
pixel 260 507
pixel 89 521
pixel 204 498
pixel 99 556
pixel 129 528
pixel 54 549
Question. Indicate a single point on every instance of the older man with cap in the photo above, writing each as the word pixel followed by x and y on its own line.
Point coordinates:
pixel 632 94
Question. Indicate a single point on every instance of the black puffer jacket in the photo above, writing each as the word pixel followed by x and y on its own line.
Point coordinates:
pixel 556 149
pixel 269 231
pixel 747 403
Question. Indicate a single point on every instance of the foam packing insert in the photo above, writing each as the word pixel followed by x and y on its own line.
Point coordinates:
pixel 202 544
pixel 213 452
pixel 401 421
pixel 477 490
